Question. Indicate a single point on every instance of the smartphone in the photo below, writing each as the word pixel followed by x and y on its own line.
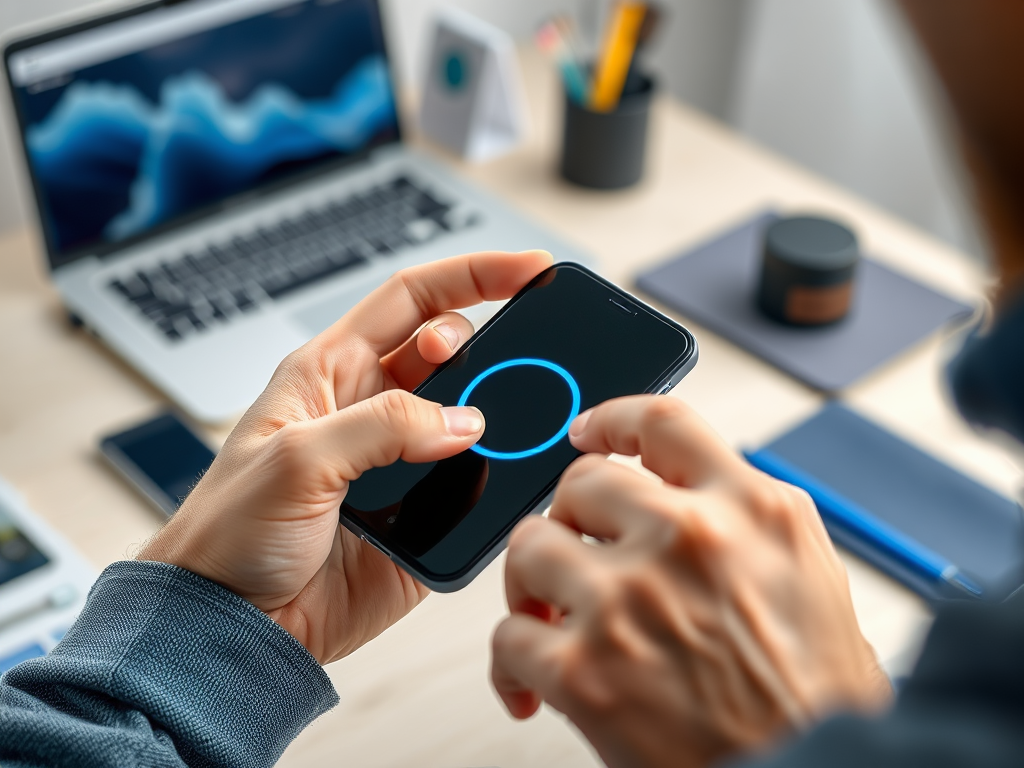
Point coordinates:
pixel 162 459
pixel 565 343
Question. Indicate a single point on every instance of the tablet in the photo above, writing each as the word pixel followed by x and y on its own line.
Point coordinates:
pixel 44 582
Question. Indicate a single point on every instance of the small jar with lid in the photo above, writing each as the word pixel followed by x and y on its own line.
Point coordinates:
pixel 807 272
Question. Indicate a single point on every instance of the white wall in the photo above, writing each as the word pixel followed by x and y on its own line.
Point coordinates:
pixel 831 83
pixel 694 55
pixel 839 86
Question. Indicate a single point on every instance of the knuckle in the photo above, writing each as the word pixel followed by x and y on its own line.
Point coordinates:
pixel 310 356
pixel 396 408
pixel 661 512
pixel 292 364
pixel 401 278
pixel 607 593
pixel 582 467
pixel 505 642
pixel 510 644
pixel 288 448
pixel 584 683
pixel 525 539
pixel 662 412
pixel 293 359
pixel 773 502
pixel 539 544
pixel 800 499
pixel 802 510
pixel 407 279
pixel 711 534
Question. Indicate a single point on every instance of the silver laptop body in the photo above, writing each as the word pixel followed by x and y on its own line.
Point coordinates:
pixel 217 181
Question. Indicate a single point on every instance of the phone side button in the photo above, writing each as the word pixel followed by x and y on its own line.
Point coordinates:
pixel 667 388
pixel 376 546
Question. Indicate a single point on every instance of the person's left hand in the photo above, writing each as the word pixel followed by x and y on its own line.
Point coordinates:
pixel 712 617
pixel 264 520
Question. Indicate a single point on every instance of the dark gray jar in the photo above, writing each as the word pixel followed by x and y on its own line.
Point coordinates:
pixel 807 272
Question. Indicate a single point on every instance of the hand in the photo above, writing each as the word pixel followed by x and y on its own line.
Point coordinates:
pixel 713 616
pixel 263 522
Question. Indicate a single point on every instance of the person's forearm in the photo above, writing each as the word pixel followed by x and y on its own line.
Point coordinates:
pixel 162 668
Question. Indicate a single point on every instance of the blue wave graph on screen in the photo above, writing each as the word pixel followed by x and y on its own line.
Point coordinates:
pixel 196 146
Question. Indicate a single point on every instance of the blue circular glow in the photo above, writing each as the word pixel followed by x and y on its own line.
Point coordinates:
pixel 573 413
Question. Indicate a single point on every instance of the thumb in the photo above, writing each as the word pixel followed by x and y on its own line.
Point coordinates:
pixel 395 425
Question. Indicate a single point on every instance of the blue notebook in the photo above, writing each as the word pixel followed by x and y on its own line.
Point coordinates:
pixel 975 528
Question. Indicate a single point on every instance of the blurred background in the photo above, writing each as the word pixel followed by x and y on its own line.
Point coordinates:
pixel 835 85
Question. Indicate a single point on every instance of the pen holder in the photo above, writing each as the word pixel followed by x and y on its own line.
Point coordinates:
pixel 605 150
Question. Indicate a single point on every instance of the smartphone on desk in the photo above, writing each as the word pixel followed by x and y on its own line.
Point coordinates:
pixel 565 343
pixel 162 459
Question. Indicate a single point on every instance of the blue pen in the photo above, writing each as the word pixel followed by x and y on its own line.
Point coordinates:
pixel 575 82
pixel 852 517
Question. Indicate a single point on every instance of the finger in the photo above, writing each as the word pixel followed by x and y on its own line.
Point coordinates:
pixel 435 342
pixel 547 563
pixel 526 657
pixel 672 440
pixel 392 313
pixel 608 500
pixel 382 429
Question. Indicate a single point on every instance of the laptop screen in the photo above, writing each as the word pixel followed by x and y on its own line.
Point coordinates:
pixel 139 122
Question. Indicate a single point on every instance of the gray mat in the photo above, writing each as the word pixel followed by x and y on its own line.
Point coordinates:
pixel 714 284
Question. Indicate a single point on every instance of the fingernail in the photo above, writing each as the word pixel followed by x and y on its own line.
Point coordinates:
pixel 450 334
pixel 579 424
pixel 463 421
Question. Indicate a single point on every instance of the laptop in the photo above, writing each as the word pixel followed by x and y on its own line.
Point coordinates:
pixel 217 181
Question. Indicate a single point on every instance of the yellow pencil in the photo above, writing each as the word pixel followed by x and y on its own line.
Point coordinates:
pixel 619 45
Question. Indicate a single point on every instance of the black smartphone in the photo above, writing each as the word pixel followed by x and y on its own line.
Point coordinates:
pixel 162 459
pixel 565 343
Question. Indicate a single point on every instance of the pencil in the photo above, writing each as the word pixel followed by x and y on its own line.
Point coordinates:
pixel 619 45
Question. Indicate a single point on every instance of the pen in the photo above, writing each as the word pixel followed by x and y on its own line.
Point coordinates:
pixel 551 41
pixel 619 45
pixel 850 516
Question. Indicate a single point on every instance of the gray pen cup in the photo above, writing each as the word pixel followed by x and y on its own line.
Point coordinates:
pixel 606 150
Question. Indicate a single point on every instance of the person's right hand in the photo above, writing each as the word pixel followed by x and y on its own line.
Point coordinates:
pixel 713 617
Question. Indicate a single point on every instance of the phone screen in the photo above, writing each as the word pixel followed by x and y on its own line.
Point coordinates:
pixel 162 458
pixel 567 343
pixel 18 555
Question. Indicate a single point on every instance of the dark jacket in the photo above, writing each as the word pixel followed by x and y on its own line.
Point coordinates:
pixel 964 704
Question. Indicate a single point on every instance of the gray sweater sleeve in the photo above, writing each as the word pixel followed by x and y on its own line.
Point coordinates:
pixel 163 668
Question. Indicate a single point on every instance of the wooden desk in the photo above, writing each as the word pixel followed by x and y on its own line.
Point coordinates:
pixel 419 695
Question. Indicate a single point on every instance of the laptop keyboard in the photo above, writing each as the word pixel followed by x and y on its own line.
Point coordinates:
pixel 199 290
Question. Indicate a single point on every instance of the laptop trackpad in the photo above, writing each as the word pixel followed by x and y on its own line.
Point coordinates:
pixel 320 316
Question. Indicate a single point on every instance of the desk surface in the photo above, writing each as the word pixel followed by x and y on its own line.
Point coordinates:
pixel 419 695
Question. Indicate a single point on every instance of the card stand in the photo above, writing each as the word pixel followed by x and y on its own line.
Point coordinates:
pixel 473 96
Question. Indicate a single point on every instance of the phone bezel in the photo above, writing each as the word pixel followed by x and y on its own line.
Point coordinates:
pixel 671 376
